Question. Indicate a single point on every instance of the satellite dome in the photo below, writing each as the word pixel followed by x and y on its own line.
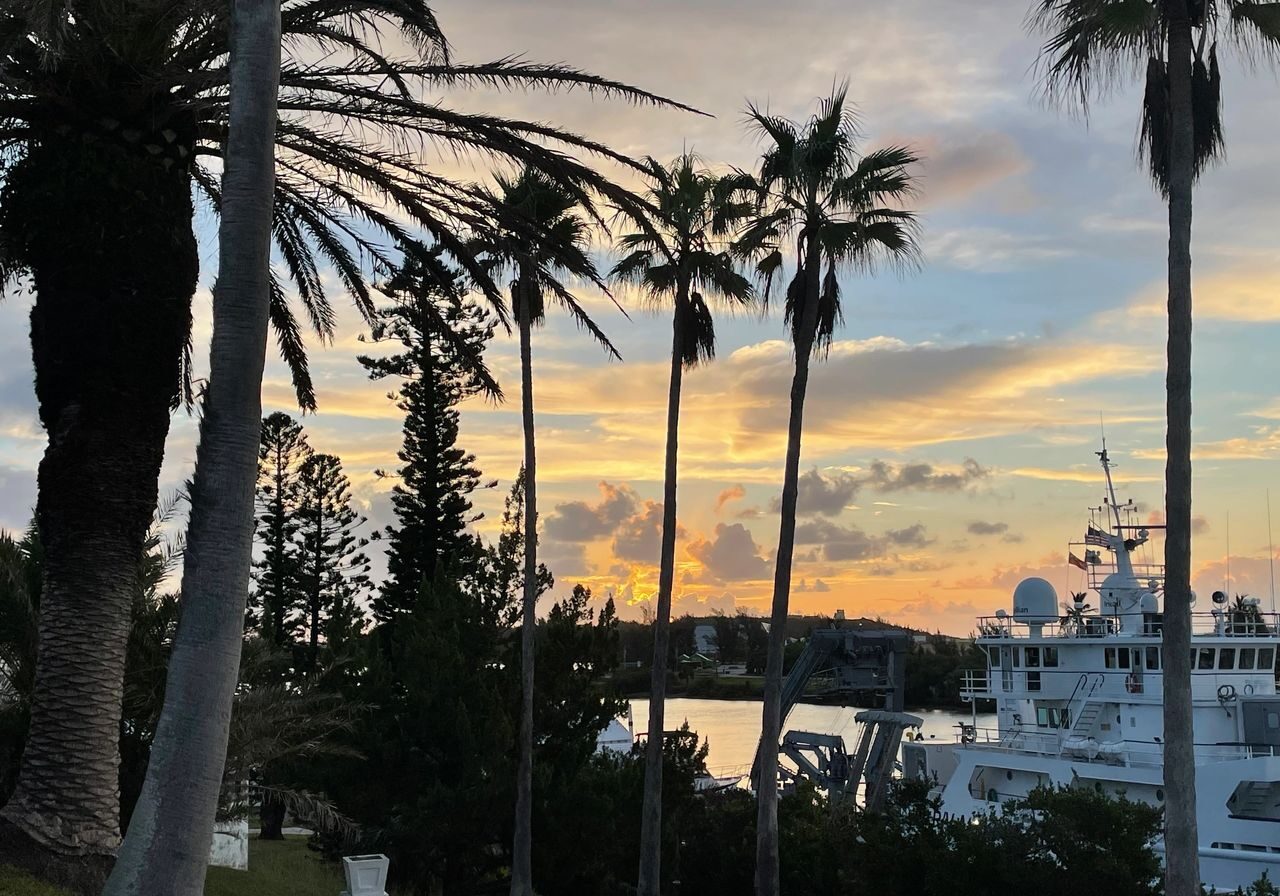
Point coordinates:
pixel 1035 602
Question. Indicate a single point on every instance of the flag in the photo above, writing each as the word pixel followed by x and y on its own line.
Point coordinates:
pixel 1097 538
pixel 1075 561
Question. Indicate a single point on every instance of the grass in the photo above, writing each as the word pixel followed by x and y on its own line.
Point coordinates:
pixel 276 868
pixel 15 883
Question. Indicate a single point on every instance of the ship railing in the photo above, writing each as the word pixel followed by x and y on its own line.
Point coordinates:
pixel 975 683
pixel 1226 623
pixel 1135 754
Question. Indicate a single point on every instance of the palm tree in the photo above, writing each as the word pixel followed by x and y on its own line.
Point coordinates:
pixel 540 239
pixel 165 849
pixel 679 261
pixel 112 112
pixel 837 209
pixel 1090 45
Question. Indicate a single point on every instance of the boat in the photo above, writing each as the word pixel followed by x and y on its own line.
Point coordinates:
pixel 1078 701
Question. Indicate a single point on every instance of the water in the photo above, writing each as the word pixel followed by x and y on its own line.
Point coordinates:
pixel 732 727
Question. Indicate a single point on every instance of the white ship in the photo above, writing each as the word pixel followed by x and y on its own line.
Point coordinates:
pixel 1077 693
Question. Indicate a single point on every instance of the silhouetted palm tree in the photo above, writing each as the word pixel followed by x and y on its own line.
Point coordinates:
pixel 111 117
pixel 683 260
pixel 540 241
pixel 837 209
pixel 1091 45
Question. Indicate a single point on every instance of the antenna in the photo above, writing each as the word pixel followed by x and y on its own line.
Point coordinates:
pixel 1271 554
pixel 1227 583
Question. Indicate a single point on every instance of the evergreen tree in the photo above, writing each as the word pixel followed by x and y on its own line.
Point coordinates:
pixel 440 364
pixel 281 454
pixel 333 570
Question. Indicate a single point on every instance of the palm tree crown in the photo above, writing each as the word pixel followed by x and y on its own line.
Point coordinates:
pixel 837 207
pixel 150 79
pixel 683 257
pixel 541 241
pixel 1090 45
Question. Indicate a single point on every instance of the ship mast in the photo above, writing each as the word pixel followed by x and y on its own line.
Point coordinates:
pixel 1111 488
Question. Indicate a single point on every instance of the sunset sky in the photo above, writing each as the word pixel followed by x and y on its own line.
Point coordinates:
pixel 950 435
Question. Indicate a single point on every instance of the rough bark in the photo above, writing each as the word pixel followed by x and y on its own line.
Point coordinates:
pixel 768 879
pixel 107 328
pixel 1182 858
pixel 167 846
pixel 650 876
pixel 522 847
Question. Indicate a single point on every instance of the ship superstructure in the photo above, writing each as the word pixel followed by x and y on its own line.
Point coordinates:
pixel 1078 689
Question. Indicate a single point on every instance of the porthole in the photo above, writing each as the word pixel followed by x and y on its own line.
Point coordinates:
pixel 1008 776
pixel 1159 795
pixel 992 796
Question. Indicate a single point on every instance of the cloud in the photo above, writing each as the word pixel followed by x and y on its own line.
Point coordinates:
pixel 979 527
pixel 1243 294
pixel 851 544
pixel 639 537
pixel 990 250
pixel 731 554
pixel 578 521
pixel 820 586
pixel 825 495
pixel 884 477
pixel 962 165
pixel 733 493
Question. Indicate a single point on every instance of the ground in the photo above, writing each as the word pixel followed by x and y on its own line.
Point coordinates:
pixel 285 868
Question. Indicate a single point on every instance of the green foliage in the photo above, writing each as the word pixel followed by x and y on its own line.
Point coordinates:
pixel 15 883
pixel 440 364
pixel 283 448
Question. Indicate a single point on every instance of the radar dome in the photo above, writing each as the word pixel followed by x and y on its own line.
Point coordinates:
pixel 1035 602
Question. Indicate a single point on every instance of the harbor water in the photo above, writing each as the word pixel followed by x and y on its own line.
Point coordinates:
pixel 731 728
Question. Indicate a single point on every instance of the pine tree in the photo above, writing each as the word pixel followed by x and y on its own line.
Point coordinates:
pixel 333 568
pixel 442 339
pixel 281 455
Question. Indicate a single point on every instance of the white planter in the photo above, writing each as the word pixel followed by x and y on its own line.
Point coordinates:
pixel 230 846
pixel 366 875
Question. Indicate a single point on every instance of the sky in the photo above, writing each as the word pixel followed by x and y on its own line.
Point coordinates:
pixel 949 437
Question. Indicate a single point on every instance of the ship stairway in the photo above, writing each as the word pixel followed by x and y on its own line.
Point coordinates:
pixel 1084 721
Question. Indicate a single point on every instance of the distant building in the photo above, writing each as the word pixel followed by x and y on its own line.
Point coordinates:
pixel 706 642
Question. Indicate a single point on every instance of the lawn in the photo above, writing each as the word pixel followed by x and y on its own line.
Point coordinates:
pixel 285 868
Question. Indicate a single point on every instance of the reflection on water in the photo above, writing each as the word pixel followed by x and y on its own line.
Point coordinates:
pixel 732 727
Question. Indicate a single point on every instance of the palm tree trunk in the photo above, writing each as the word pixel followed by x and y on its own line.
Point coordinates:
pixel 166 849
pixel 522 848
pixel 768 879
pixel 1182 859
pixel 650 878
pixel 107 330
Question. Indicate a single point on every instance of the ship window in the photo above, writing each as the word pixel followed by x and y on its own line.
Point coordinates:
pixel 1227 658
pixel 1246 657
pixel 1033 657
pixel 1109 657
pixel 995 657
pixel 1273 720
pixel 1033 681
pixel 1124 658
pixel 1266 658
pixel 1050 657
pixel 1042 716
pixel 1017 657
pixel 1153 657
pixel 1206 658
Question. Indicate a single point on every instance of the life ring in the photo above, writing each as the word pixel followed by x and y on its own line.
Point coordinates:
pixel 1226 693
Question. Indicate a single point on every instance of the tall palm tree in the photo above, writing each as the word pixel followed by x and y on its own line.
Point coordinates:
pixel 837 209
pixel 116 113
pixel 541 240
pixel 682 260
pixel 165 849
pixel 1090 45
